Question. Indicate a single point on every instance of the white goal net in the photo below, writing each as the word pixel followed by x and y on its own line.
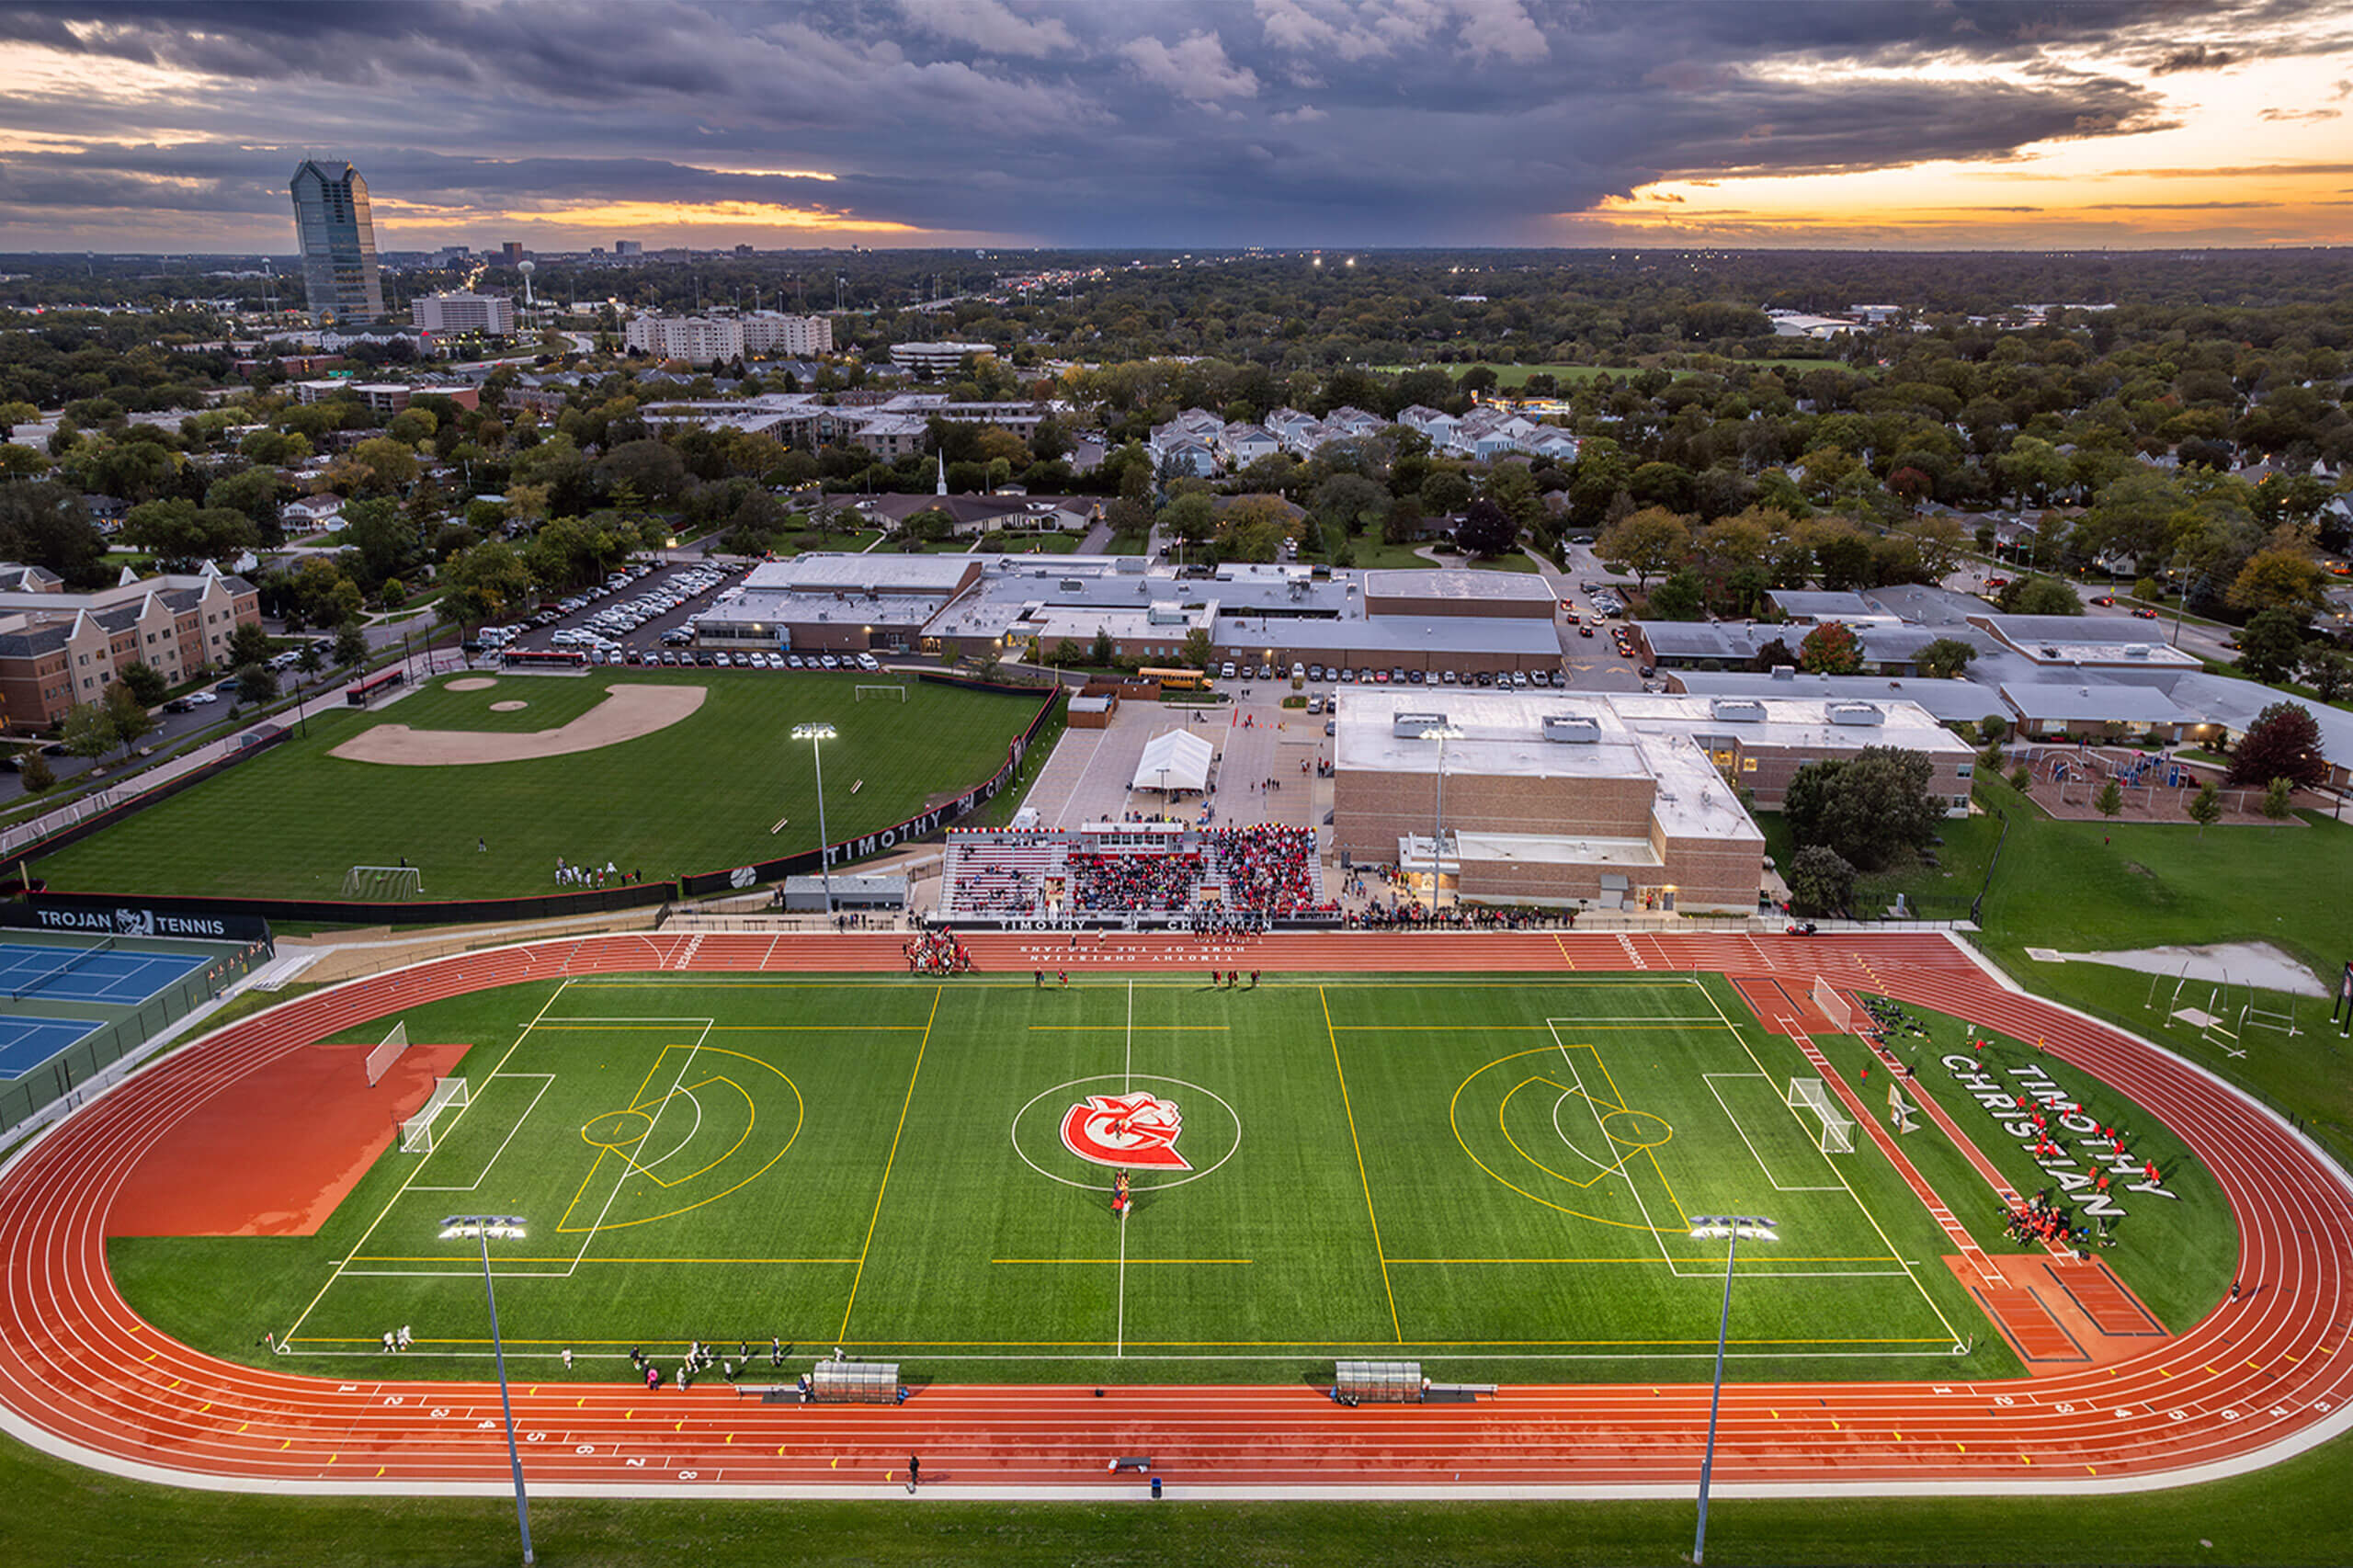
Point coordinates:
pixel 417 1132
pixel 1833 1006
pixel 1837 1127
pixel 860 694
pixel 380 1060
pixel 377 884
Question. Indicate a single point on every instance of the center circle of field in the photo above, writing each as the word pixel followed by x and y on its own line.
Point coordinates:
pixel 1635 1129
pixel 472 682
pixel 515 705
pixel 616 1128
pixel 1078 1086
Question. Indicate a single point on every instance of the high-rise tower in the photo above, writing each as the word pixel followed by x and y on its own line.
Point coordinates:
pixel 338 240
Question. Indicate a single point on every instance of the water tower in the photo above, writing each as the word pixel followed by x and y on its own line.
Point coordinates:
pixel 527 267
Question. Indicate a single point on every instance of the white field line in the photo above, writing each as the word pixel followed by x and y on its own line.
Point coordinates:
pixel 1778 1185
pixel 629 1165
pixel 359 1246
pixel 1632 1186
pixel 547 1081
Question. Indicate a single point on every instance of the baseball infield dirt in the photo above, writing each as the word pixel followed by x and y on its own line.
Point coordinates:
pixel 626 713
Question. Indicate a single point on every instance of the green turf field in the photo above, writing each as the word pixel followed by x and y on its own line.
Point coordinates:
pixel 1495 1177
pixel 700 795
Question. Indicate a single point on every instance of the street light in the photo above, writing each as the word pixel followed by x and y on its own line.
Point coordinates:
pixel 1731 1227
pixel 1441 734
pixel 505 1227
pixel 816 735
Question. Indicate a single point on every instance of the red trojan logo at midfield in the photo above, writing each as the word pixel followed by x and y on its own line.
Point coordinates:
pixel 1136 1129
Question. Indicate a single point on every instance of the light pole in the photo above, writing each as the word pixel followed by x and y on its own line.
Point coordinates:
pixel 1731 1227
pixel 1441 734
pixel 506 1227
pixel 816 735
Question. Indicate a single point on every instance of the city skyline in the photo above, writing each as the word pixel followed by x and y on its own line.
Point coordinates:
pixel 160 127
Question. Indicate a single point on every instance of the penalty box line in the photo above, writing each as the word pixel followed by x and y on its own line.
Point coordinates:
pixel 359 1246
pixel 1602 1130
pixel 547 1081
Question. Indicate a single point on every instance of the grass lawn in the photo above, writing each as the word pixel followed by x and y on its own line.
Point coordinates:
pixel 2094 887
pixel 697 795
pixel 1942 891
pixel 1492 1177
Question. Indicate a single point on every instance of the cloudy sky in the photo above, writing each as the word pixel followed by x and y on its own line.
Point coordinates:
pixel 143 126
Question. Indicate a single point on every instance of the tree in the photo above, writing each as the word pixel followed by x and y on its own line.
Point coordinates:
pixel 2022 778
pixel 2278 579
pixel 146 683
pixel 1445 493
pixel 1776 655
pixel 2111 799
pixel 2275 796
pixel 2272 644
pixel 489 581
pixel 248 644
pixel 2282 743
pixel 1945 658
pixel 256 684
pixel 1648 542
pixel 1831 649
pixel 87 730
pixel 1198 648
pixel 46 524
pixel 1680 598
pixel 1871 807
pixel 310 660
pixel 39 775
pixel 128 715
pixel 2205 808
pixel 1821 881
pixel 1487 529
pixel 2328 671
pixel 1995 727
pixel 351 646
pixel 2038 596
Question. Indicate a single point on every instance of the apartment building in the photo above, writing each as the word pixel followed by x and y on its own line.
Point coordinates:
pixel 59 648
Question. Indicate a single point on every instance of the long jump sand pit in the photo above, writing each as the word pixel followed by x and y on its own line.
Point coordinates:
pixel 626 713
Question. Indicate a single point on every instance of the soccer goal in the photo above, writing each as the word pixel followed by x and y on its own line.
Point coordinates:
pixel 417 1132
pixel 377 884
pixel 1833 1006
pixel 860 694
pixel 386 1052
pixel 1837 1127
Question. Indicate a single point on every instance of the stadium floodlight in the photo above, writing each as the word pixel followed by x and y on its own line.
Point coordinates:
pixel 1728 1228
pixel 1441 734
pixel 816 735
pixel 505 1227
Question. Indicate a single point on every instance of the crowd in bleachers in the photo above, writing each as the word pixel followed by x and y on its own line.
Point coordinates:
pixel 1117 884
pixel 1392 915
pixel 1267 869
pixel 998 880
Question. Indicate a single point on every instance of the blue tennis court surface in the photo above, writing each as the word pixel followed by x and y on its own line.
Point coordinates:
pixel 26 1043
pixel 79 974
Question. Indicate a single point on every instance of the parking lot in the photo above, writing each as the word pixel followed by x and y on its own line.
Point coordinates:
pixel 645 615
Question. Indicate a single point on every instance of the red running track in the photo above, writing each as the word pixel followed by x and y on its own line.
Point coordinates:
pixel 2256 1381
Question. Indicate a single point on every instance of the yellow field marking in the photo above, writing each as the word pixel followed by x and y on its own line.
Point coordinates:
pixel 1649 1260
pixel 1503 1108
pixel 1453 1118
pixel 889 1161
pixel 740 1028
pixel 751 1104
pixel 1706 1343
pixel 1561 942
pixel 1120 1028
pixel 1132 1262
pixel 623 1262
pixel 1357 1145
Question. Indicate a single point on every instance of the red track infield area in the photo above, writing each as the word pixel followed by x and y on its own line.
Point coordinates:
pixel 2254 1381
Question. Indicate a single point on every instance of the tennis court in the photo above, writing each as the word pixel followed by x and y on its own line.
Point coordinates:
pixel 26 1043
pixel 91 974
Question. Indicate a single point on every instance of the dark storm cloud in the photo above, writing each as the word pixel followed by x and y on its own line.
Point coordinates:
pixel 1185 122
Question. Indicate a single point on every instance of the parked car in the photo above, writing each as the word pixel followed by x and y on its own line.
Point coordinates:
pixel 179 705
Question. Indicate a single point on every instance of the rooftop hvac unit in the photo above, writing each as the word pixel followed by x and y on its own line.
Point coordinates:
pixel 1572 729
pixel 1737 710
pixel 1856 713
pixel 1072 586
pixel 1409 726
